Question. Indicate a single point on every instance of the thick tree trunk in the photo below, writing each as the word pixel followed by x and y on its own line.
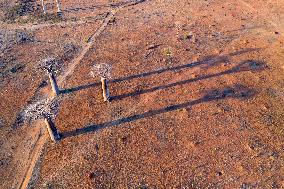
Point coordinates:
pixel 105 89
pixel 43 6
pixel 58 6
pixel 53 83
pixel 52 131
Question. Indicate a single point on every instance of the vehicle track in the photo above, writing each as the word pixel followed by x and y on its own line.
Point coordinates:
pixel 32 27
pixel 90 43
pixel 39 146
pixel 76 61
pixel 35 153
pixel 267 18
pixel 87 47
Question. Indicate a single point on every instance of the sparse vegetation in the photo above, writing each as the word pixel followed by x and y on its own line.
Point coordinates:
pixel 183 114
pixel 168 52
pixel 1 123
pixel 48 17
pixel 69 51
pixel 168 56
pixel 43 109
pixel 190 36
pixel 51 64
pixel 40 110
pixel 104 72
pixel 18 9
pixel 9 38
pixel 23 12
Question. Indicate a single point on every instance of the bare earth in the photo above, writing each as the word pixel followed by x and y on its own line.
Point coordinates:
pixel 197 96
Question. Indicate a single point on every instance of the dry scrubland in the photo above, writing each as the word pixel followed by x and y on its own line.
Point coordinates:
pixel 197 94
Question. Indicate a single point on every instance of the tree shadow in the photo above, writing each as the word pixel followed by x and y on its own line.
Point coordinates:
pixel 209 61
pixel 234 92
pixel 249 65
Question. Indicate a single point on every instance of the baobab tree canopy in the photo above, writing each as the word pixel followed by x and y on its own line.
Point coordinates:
pixel 45 108
pixel 102 70
pixel 50 64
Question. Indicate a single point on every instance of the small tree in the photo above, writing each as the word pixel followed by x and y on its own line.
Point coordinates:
pixel 50 65
pixel 58 7
pixel 43 6
pixel 44 109
pixel 104 72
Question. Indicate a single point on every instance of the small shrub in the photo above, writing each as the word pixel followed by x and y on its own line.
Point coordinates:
pixel 70 50
pixel 17 68
pixel 21 8
pixel 48 17
pixel 1 123
pixel 23 37
pixel 13 13
pixel 168 52
pixel 169 56
pixel 24 12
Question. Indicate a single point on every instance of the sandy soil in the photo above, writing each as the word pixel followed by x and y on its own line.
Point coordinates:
pixel 197 95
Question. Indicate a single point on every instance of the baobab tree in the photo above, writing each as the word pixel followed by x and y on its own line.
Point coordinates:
pixel 58 5
pixel 50 66
pixel 104 72
pixel 43 6
pixel 46 110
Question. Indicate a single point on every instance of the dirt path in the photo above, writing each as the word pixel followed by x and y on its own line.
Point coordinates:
pixel 92 40
pixel 32 27
pixel 38 148
pixel 264 17
pixel 35 154
pixel 90 43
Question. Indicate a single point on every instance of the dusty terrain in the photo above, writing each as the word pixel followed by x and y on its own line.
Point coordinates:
pixel 197 95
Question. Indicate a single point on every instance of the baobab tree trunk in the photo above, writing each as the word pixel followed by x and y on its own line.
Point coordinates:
pixel 105 89
pixel 52 131
pixel 58 6
pixel 53 83
pixel 43 6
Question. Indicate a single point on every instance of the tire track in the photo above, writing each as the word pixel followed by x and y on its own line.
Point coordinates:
pixel 39 146
pixel 267 18
pixel 86 49
pixel 32 27
pixel 92 40
pixel 35 153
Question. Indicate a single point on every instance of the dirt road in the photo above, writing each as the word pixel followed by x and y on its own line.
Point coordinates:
pixel 197 95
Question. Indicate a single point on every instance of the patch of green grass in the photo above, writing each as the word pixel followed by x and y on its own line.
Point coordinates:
pixel 168 52
pixel 88 39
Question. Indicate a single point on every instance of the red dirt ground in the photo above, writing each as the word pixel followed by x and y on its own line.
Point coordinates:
pixel 209 115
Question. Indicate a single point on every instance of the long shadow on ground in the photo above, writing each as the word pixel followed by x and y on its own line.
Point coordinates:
pixel 209 62
pixel 249 65
pixel 237 92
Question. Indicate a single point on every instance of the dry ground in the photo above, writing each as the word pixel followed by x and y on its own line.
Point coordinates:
pixel 197 97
